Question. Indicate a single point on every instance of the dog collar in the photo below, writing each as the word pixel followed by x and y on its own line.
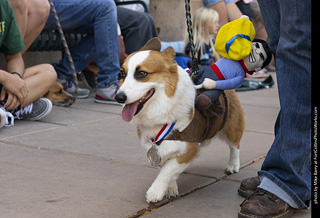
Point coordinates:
pixel 165 130
pixel 153 154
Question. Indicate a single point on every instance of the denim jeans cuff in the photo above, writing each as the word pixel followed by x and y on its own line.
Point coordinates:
pixel 279 189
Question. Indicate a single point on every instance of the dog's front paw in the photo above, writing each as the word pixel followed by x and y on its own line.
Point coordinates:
pixel 232 168
pixel 155 193
pixel 172 190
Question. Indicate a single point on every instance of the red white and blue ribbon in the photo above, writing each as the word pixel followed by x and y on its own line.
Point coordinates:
pixel 166 129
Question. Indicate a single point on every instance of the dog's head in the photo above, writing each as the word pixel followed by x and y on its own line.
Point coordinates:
pixel 58 96
pixel 148 79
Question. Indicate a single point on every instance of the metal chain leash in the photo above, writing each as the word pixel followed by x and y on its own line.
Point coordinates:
pixel 66 48
pixel 194 64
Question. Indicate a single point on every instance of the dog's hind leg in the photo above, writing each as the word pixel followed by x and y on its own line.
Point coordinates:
pixel 233 136
pixel 233 131
pixel 234 160
pixel 165 183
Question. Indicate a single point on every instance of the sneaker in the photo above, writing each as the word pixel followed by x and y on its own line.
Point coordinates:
pixel 107 94
pixel 34 111
pixel 3 117
pixel 6 118
pixel 70 88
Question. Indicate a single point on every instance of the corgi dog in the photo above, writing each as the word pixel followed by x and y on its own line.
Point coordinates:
pixel 159 98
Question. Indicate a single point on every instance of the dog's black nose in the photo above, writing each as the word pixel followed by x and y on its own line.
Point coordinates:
pixel 121 97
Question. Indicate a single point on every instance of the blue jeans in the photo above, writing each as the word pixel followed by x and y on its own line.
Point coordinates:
pixel 286 171
pixel 97 19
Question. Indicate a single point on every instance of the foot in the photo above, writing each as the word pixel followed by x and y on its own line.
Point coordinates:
pixel 207 107
pixel 172 189
pixel 34 111
pixel 70 88
pixel 249 186
pixel 6 118
pixel 107 94
pixel 263 204
pixel 157 191
pixel 3 117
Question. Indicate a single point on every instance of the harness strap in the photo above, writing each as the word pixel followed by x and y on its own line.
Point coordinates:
pixel 191 132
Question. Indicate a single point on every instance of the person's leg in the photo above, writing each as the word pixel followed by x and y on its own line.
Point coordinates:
pixel 73 18
pixel 39 79
pixel 82 55
pixel 31 16
pixel 285 172
pixel 90 17
pixel 20 9
pixel 232 10
pixel 107 44
pixel 288 161
pixel 244 8
pixel 220 7
pixel 136 28
pixel 38 12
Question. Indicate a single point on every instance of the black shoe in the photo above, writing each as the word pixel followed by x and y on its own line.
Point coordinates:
pixel 34 111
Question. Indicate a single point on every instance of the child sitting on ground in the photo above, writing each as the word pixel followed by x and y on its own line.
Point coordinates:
pixel 20 89
pixel 205 28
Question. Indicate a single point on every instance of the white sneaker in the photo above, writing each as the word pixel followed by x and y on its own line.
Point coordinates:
pixel 6 118
pixel 107 94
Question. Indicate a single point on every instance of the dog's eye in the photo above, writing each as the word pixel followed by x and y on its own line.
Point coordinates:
pixel 59 92
pixel 121 75
pixel 141 74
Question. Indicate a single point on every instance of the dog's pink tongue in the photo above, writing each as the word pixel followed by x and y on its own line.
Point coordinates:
pixel 129 110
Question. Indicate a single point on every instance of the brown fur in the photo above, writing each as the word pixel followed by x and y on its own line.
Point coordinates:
pixel 153 65
pixel 190 154
pixel 56 94
pixel 161 68
pixel 233 125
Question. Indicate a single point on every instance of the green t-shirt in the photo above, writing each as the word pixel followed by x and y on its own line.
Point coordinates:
pixel 10 39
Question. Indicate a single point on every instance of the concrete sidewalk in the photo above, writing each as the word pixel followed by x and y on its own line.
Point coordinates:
pixel 85 161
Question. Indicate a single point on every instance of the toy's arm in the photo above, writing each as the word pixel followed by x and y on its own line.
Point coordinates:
pixel 207 84
pixel 221 84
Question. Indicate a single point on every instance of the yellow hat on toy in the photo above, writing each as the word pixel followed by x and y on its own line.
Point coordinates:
pixel 234 39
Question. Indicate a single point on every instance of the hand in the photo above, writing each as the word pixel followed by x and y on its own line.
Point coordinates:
pixel 13 85
pixel 209 83
pixel 12 100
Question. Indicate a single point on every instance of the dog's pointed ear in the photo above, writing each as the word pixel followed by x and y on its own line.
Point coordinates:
pixel 170 54
pixel 153 44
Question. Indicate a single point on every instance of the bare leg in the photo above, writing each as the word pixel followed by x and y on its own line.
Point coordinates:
pixel 233 11
pixel 39 80
pixel 20 9
pixel 38 12
pixel 227 12
pixel 221 8
pixel 31 15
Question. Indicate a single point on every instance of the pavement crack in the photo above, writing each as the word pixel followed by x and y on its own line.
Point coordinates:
pixel 154 206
